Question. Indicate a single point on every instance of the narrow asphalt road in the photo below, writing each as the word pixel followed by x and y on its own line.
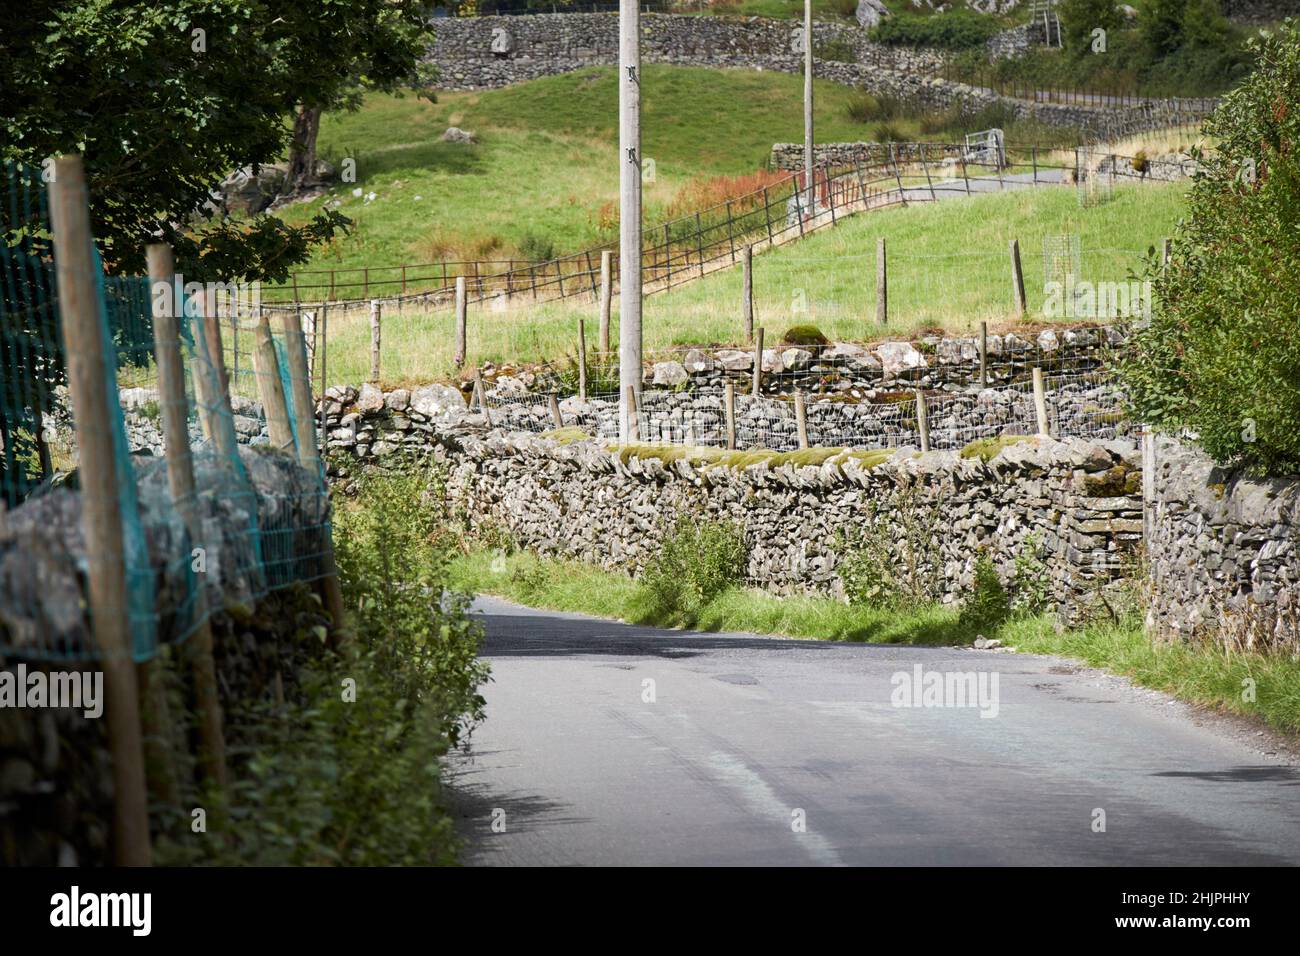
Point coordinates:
pixel 754 750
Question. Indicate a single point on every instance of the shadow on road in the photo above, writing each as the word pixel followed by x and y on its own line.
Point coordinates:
pixel 552 634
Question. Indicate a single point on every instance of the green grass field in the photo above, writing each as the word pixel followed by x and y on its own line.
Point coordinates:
pixel 544 172
pixel 948 269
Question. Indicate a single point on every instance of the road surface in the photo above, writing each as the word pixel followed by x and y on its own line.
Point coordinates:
pixel 746 738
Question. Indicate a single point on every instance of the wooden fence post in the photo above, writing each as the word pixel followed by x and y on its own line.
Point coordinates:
pixel 922 420
pixel 1017 280
pixel 180 479
pixel 376 312
pixel 1167 251
pixel 324 371
pixel 270 387
pixel 747 291
pixel 304 413
pixel 984 355
pixel 212 336
pixel 101 517
pixel 481 394
pixel 882 283
pixel 729 409
pixel 606 296
pixel 582 359
pixel 554 403
pixel 758 361
pixel 633 415
pixel 462 308
pixel 1040 402
pixel 801 419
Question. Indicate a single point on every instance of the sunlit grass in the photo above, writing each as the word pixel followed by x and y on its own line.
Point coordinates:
pixel 949 269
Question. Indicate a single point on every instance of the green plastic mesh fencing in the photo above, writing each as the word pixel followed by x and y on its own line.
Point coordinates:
pixel 261 520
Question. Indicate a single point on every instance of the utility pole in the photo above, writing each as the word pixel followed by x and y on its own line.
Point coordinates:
pixel 808 104
pixel 629 181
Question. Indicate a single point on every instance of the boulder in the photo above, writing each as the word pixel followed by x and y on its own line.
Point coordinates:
pixel 898 357
pixel 796 359
pixel 733 360
pixel 369 398
pixel 671 374
pixel 438 402
pixel 454 134
pixel 870 13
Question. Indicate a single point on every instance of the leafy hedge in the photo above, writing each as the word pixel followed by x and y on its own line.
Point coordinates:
pixel 1221 356
pixel 954 30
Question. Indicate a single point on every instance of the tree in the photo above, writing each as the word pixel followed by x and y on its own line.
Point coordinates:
pixel 337 49
pixel 1220 356
pixel 1080 17
pixel 1162 26
pixel 165 97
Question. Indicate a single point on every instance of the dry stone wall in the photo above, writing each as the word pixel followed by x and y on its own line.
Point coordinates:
pixel 1070 509
pixel 1223 550
pixel 486 52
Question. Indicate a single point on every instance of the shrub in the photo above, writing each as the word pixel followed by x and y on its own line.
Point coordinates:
pixel 987 606
pixel 888 133
pixel 699 560
pixel 537 248
pixel 1220 356
pixel 393 560
pixel 804 335
pixel 862 107
pixel 345 769
pixel 884 561
pixel 954 30
pixel 1080 17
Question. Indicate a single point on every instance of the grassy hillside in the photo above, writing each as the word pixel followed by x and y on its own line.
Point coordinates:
pixel 948 269
pixel 543 176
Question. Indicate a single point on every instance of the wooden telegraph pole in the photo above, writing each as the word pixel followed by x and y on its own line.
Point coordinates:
pixel 808 105
pixel 629 179
pixel 101 514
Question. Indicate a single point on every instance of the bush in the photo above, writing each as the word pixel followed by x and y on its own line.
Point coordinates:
pixel 987 607
pixel 345 769
pixel 804 335
pixel 698 562
pixel 1080 17
pixel 393 558
pixel 884 559
pixel 1220 356
pixel 888 133
pixel 861 108
pixel 537 248
pixel 954 30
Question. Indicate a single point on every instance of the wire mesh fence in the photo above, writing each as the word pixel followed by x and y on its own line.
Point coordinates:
pixel 242 524
pixel 1081 398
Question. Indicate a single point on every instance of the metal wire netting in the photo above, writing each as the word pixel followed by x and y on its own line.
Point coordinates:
pixel 253 522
